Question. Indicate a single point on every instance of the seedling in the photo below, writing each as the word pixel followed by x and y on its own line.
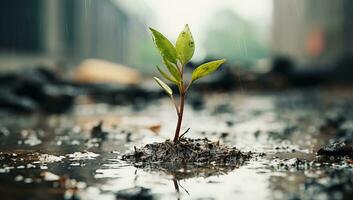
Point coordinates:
pixel 175 58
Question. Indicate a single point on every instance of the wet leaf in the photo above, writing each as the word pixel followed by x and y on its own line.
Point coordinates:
pixel 165 47
pixel 173 70
pixel 206 69
pixel 167 89
pixel 185 45
pixel 167 76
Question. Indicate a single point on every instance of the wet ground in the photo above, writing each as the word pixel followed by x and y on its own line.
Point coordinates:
pixel 59 157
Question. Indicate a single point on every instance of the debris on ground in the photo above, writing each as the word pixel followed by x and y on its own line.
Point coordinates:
pixel 186 150
pixel 46 158
pixel 286 135
pixel 97 131
pixel 336 149
pixel 39 89
pixel 290 164
pixel 136 193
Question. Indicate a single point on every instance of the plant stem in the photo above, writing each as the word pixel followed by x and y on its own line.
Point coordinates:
pixel 181 106
pixel 180 117
pixel 175 104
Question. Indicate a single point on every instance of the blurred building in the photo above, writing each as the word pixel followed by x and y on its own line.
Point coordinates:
pixel 315 32
pixel 67 30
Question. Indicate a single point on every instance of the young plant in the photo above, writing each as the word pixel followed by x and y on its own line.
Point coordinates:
pixel 175 58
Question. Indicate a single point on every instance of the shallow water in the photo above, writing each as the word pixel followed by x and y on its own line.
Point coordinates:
pixel 283 125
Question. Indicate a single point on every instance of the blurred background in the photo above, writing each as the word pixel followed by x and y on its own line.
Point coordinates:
pixel 270 43
pixel 117 30
pixel 76 93
pixel 245 32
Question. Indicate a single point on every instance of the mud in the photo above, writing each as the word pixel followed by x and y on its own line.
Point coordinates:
pixel 187 151
pixel 337 149
pixel 299 141
pixel 188 158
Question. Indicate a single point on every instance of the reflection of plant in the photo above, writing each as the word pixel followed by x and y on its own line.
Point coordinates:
pixel 175 58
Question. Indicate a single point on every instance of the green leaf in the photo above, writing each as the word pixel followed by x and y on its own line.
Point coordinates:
pixel 165 47
pixel 172 69
pixel 166 88
pixel 206 69
pixel 167 76
pixel 185 45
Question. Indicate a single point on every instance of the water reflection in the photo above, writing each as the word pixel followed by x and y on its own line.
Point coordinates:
pixel 106 175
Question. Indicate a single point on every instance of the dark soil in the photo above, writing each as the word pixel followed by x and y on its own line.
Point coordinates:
pixel 140 193
pixel 336 149
pixel 186 150
pixel 97 131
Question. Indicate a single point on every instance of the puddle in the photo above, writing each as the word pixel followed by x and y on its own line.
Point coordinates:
pixel 60 157
pixel 46 158
pixel 82 156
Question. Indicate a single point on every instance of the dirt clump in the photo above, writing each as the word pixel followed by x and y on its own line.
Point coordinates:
pixel 98 132
pixel 336 149
pixel 136 193
pixel 188 151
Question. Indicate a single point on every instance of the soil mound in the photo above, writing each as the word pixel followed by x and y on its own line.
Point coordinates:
pixel 187 151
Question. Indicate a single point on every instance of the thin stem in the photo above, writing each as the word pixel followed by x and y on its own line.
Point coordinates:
pixel 175 104
pixel 179 67
pixel 180 118
pixel 184 133
pixel 181 106
pixel 187 88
